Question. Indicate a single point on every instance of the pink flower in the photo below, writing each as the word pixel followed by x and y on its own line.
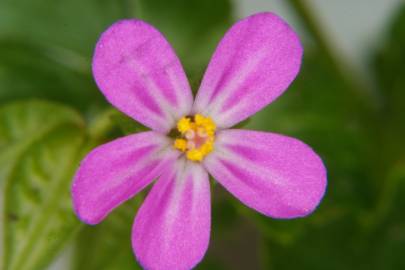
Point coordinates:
pixel 139 73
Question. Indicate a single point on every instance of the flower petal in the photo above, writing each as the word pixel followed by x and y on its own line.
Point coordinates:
pixel 254 63
pixel 278 176
pixel 172 227
pixel 139 73
pixel 116 171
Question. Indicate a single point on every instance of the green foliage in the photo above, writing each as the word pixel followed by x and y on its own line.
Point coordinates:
pixel 390 75
pixel 32 71
pixel 46 48
pixel 108 246
pixel 40 146
pixel 24 124
pixel 126 124
pixel 66 26
pixel 193 27
pixel 360 223
pixel 45 52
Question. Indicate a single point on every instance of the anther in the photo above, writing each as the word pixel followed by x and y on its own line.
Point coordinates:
pixel 190 134
pixel 196 136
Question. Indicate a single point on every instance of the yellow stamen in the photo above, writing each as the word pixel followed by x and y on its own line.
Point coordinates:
pixel 180 144
pixel 197 136
pixel 194 155
pixel 189 134
pixel 184 124
pixel 201 132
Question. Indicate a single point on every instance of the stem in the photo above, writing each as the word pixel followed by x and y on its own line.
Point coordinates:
pixel 386 200
pixel 313 26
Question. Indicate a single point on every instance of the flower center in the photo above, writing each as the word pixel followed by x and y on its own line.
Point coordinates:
pixel 197 135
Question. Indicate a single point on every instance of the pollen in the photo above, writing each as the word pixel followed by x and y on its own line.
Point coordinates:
pixel 180 144
pixel 197 136
pixel 184 124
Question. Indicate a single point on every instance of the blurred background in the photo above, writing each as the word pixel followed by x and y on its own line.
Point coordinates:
pixel 348 103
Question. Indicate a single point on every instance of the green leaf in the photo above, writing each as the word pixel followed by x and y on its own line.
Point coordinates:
pixel 193 27
pixel 332 245
pixel 31 71
pixel 390 60
pixel 388 238
pixel 46 52
pixel 23 124
pixel 343 244
pixel 69 26
pixel 389 66
pixel 46 48
pixel 107 246
pixel 126 124
pixel 40 146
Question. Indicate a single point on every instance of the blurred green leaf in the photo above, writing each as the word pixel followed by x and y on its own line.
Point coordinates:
pixel 193 27
pixel 31 71
pixel 330 246
pixel 107 246
pixel 233 237
pixel 388 237
pixel 71 26
pixel 386 224
pixel 126 124
pixel 40 144
pixel 46 48
pixel 390 60
pixel 45 51
pixel 343 243
pixel 389 65
pixel 24 124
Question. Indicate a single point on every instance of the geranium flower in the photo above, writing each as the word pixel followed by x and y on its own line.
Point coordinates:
pixel 139 73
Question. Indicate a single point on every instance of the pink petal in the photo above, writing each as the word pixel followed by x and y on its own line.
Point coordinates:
pixel 116 171
pixel 139 73
pixel 254 63
pixel 277 175
pixel 172 227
